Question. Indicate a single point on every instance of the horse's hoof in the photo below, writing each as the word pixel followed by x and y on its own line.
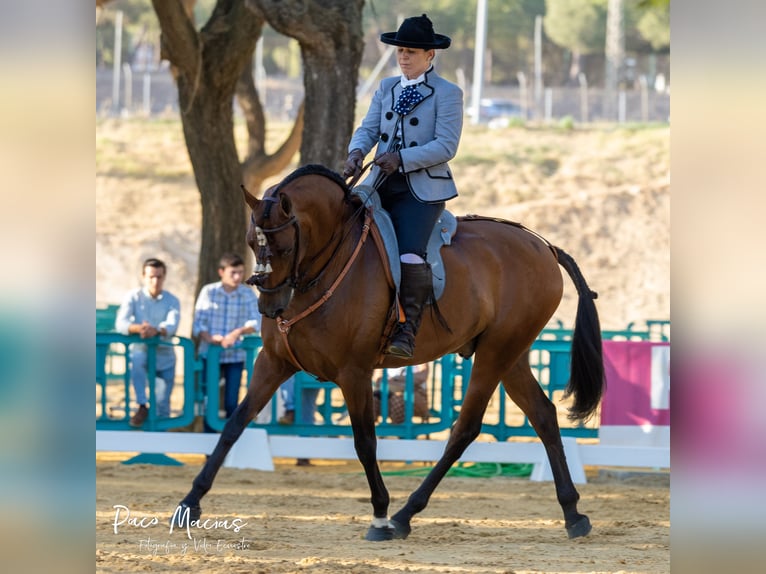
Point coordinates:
pixel 580 528
pixel 401 531
pixel 379 534
pixel 179 518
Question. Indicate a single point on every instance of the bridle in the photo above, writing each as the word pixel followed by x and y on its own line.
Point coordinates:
pixel 263 256
pixel 295 280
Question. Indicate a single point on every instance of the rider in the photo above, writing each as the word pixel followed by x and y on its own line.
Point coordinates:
pixel 416 120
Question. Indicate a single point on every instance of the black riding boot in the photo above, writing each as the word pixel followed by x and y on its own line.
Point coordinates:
pixel 415 289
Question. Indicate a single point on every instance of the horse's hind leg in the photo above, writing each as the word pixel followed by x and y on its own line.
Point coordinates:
pixel 467 427
pixel 524 390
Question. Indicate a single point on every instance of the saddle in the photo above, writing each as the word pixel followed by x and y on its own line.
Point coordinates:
pixel 443 232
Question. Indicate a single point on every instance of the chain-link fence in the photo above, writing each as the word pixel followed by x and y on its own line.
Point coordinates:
pixel 154 93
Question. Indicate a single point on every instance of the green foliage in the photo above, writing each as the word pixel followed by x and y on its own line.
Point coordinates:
pixel 566 123
pixel 654 26
pixel 510 36
pixel 578 25
pixel 644 4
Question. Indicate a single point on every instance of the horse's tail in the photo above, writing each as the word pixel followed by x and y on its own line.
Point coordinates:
pixel 586 381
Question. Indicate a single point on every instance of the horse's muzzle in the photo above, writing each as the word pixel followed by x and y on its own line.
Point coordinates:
pixel 273 304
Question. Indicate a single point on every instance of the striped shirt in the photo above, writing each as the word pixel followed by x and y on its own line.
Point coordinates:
pixel 218 313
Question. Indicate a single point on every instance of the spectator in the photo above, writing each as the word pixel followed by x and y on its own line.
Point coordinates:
pixel 226 310
pixel 150 312
pixel 308 408
pixel 397 379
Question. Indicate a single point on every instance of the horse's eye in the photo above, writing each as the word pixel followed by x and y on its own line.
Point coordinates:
pixel 285 252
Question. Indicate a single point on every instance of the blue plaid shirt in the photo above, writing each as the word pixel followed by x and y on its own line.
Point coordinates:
pixel 218 313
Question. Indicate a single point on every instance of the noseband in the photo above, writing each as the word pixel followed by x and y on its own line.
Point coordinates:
pixel 263 256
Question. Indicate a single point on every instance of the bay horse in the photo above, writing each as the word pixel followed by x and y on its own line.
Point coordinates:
pixel 326 302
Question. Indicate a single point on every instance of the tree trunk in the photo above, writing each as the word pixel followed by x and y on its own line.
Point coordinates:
pixel 575 67
pixel 206 66
pixel 331 39
pixel 330 105
pixel 208 130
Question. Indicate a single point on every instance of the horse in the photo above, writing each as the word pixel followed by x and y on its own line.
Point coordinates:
pixel 327 308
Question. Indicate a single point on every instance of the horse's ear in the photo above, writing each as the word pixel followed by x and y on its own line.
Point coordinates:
pixel 250 199
pixel 285 203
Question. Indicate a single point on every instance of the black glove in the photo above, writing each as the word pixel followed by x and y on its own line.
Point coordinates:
pixel 353 164
pixel 388 162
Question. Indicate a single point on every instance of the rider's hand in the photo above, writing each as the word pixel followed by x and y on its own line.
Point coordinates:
pixel 388 162
pixel 353 164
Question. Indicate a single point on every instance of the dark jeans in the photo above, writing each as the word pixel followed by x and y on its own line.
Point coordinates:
pixel 413 220
pixel 232 375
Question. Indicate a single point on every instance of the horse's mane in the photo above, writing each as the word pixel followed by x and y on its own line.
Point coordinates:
pixel 316 169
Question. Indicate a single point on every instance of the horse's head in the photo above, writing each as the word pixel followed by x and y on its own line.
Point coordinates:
pixel 288 227
pixel 274 237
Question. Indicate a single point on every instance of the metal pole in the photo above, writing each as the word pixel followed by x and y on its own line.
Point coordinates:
pixel 117 63
pixel 147 95
pixel 621 107
pixel 478 59
pixel 128 101
pixel 523 95
pixel 538 63
pixel 548 104
pixel 615 54
pixel 644 82
pixel 583 97
pixel 368 83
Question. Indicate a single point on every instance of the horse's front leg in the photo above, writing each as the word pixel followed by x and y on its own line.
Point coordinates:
pixel 359 402
pixel 267 376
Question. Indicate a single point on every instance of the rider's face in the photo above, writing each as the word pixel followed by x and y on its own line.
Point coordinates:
pixel 413 61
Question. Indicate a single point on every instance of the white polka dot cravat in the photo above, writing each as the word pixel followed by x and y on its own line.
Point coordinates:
pixel 407 100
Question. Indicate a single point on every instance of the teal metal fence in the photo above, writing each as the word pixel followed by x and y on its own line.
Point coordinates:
pixel 113 382
pixel 446 387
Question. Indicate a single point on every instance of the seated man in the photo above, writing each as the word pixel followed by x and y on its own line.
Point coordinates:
pixel 397 379
pixel 150 311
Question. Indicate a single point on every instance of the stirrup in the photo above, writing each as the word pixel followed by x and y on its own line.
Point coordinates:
pixel 402 346
pixel 396 351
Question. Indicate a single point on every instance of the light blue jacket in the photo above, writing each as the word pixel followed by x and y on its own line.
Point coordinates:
pixel 431 133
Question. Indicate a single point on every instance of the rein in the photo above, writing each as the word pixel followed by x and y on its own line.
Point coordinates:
pixel 284 325
pixel 358 176
pixel 311 283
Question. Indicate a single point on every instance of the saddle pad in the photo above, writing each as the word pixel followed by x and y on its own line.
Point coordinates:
pixel 442 234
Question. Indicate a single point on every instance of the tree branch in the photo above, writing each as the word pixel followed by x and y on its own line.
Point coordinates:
pixel 257 168
pixel 179 40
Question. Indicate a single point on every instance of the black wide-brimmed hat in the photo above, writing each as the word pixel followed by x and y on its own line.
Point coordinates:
pixel 416 32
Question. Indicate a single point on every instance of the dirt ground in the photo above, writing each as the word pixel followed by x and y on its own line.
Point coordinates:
pixel 313 519
pixel 602 195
